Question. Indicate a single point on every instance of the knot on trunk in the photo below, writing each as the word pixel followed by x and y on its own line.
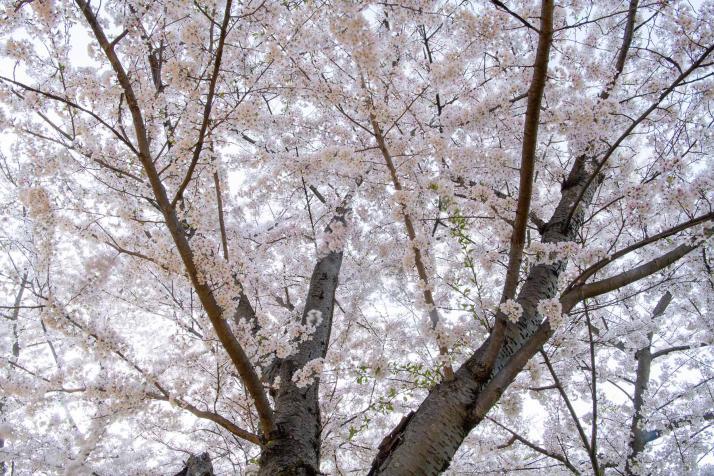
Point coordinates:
pixel 197 466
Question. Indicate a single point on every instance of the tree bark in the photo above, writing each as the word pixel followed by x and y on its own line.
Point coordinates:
pixel 197 466
pixel 294 447
pixel 427 440
pixel 432 435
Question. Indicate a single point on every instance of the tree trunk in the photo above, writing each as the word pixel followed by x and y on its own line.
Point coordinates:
pixel 428 440
pixel 294 447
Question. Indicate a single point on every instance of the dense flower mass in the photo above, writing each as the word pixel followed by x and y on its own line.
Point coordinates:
pixel 356 237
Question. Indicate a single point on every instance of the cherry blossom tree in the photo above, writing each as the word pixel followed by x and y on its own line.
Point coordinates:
pixel 356 237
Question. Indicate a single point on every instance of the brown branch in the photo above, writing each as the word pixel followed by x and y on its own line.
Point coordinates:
pixel 164 395
pixel 516 437
pixel 626 43
pixel 498 384
pixel 508 443
pixel 213 310
pixel 221 222
pixel 208 106
pixel 528 151
pixel 411 233
pixel 214 417
pixel 611 150
pixel 659 236
pixel 74 105
pixel 585 291
pixel 527 170
pixel 112 244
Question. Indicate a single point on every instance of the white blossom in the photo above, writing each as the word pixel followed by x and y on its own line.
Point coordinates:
pixel 512 310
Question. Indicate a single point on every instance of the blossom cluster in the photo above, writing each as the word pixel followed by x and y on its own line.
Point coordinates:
pixel 512 310
pixel 552 310
pixel 308 373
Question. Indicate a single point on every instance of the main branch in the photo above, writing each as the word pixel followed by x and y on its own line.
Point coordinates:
pixel 213 310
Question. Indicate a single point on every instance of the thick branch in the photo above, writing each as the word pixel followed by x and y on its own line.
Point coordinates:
pixel 640 244
pixel 593 385
pixel 585 291
pixel 626 43
pixel 528 151
pixel 527 169
pixel 221 222
pixel 677 348
pixel 295 443
pixel 428 440
pixel 204 292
